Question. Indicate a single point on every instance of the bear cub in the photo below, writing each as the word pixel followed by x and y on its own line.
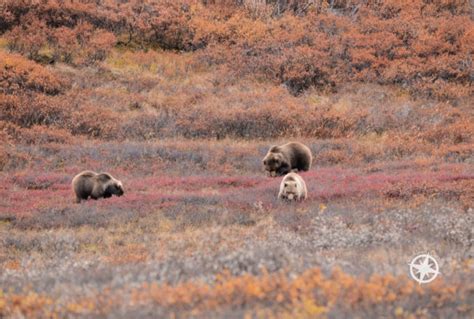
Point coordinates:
pixel 293 187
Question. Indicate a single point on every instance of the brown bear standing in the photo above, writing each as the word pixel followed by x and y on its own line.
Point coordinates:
pixel 91 184
pixel 283 159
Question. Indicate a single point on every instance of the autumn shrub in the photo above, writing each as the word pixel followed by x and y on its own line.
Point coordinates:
pixel 83 33
pixel 425 46
pixel 262 122
pixel 27 111
pixel 33 96
pixel 18 74
pixel 52 31
pixel 147 126
pixel 36 134
pixel 236 84
pixel 32 111
pixel 82 45
pixel 91 121
pixel 29 37
pixel 165 25
pixel 364 42
pixel 456 130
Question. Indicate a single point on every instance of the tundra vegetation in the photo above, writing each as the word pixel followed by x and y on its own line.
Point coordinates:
pixel 181 100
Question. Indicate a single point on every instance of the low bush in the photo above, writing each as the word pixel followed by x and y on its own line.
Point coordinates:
pixel 30 110
pixel 18 74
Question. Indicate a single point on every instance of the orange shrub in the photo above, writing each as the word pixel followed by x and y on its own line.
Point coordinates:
pixel 388 43
pixel 35 135
pixel 27 111
pixel 29 36
pixel 17 74
pixel 301 44
pixel 94 122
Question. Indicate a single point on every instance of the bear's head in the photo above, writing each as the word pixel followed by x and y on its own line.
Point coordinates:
pixel 290 189
pixel 112 186
pixel 276 164
pixel 116 188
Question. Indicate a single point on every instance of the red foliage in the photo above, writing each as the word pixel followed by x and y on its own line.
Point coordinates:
pixel 325 184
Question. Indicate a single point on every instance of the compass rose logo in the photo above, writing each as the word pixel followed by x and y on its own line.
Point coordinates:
pixel 424 268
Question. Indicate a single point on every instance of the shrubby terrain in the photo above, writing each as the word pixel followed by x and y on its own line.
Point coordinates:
pixel 181 100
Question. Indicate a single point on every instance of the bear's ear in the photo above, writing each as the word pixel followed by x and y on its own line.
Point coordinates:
pixel 104 177
pixel 274 148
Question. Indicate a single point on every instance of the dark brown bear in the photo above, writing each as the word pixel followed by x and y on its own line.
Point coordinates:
pixel 283 159
pixel 91 184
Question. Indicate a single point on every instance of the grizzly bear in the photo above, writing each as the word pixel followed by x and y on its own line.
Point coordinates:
pixel 293 187
pixel 283 159
pixel 95 185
